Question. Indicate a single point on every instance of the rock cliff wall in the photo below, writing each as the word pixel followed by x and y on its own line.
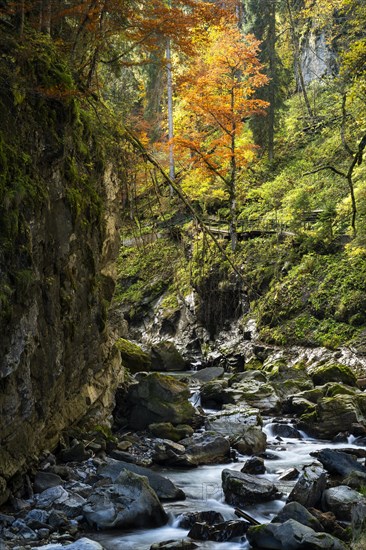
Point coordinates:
pixel 59 236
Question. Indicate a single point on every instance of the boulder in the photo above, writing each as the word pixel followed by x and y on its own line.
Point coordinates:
pixel 242 489
pixel 340 500
pixel 252 441
pixel 45 480
pixel 258 395
pixel 284 430
pixel 291 535
pixel 254 466
pixel 164 488
pixel 219 532
pixel 166 430
pixel 334 415
pixel 207 374
pixel 309 487
pixel 128 502
pixel 159 398
pixel 186 520
pixel 233 422
pixel 166 357
pixel 216 393
pixel 298 512
pixel 338 462
pixel 332 372
pixel 133 357
pixel 206 448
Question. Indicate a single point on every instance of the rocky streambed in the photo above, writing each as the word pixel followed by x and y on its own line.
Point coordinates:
pixel 270 456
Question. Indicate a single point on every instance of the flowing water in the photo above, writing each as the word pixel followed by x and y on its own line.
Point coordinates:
pixel 202 486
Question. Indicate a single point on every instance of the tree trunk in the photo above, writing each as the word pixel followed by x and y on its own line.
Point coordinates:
pixel 297 59
pixel 232 183
pixel 170 110
pixel 271 73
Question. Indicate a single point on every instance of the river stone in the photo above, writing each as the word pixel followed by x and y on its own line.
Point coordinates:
pixel 332 372
pixel 233 422
pixel 252 441
pixel 285 430
pixel 207 374
pixel 338 462
pixel 188 519
pixel 81 544
pixel 242 489
pixel 206 448
pixel 45 480
pixel 51 496
pixel 298 512
pixel 220 532
pixel 133 357
pixel 254 466
pixel 258 395
pixel 340 500
pixel 309 487
pixel 216 393
pixel 164 488
pixel 128 502
pixel 291 535
pixel 159 398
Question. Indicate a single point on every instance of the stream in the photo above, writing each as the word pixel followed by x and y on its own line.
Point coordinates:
pixel 202 486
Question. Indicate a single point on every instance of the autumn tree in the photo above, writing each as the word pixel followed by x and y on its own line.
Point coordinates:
pixel 217 97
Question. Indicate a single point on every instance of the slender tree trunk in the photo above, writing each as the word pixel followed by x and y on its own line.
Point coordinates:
pixel 297 55
pixel 271 73
pixel 170 110
pixel 232 184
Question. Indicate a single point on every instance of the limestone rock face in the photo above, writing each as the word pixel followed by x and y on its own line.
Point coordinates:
pixel 57 360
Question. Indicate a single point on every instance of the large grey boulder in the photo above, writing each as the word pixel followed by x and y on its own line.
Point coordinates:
pixel 158 398
pixel 291 535
pixel 298 512
pixel 164 488
pixel 242 489
pixel 338 462
pixel 129 502
pixel 310 486
pixel 340 500
pixel 206 448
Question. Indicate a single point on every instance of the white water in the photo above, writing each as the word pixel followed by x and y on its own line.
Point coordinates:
pixel 202 487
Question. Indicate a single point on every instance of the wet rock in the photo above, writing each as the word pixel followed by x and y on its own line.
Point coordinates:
pixel 338 462
pixel 330 525
pixel 309 487
pixel 183 544
pixel 206 448
pixel 254 465
pixel 258 395
pixel 355 480
pixel 291 535
pixel 289 475
pixel 128 502
pixel 298 405
pixel 188 519
pixel 233 422
pixel 81 544
pixel 159 398
pixel 166 430
pixel 207 374
pixel 298 512
pixel 166 357
pixel 248 375
pixel 220 532
pixel 332 372
pixel 51 496
pixel 168 452
pixel 36 518
pixel 335 414
pixel 242 489
pixel 358 519
pixel 252 441
pixel 216 393
pixel 285 430
pixel 133 357
pixel 340 500
pixel 45 480
pixel 164 488
pixel 75 453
